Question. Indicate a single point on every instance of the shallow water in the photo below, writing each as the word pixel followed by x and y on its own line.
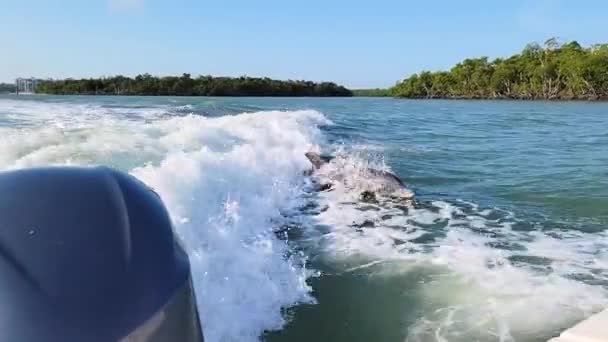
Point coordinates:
pixel 507 241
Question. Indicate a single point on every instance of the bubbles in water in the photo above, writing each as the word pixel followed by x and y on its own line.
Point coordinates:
pixel 493 282
pixel 231 182
pixel 224 181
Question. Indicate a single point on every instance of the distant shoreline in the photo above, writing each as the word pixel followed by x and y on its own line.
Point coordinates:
pixel 557 99
pixel 554 71
pixel 602 100
pixel 185 85
pixel 497 98
pixel 179 95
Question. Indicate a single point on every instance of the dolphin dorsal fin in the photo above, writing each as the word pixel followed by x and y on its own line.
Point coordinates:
pixel 315 159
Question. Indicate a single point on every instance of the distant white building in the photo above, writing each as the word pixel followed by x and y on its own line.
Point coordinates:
pixel 26 85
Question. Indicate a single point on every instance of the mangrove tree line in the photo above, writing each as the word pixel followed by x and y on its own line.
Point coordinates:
pixel 7 88
pixel 551 71
pixel 185 85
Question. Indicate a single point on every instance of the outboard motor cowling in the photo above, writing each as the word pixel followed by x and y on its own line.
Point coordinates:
pixel 89 254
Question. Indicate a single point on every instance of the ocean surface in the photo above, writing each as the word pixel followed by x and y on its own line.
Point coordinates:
pixel 507 240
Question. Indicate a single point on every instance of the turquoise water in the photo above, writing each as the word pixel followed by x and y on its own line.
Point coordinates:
pixel 507 242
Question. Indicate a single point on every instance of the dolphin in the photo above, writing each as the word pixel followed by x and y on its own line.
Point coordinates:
pixel 384 183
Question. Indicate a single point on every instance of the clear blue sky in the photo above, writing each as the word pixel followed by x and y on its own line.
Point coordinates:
pixel 355 43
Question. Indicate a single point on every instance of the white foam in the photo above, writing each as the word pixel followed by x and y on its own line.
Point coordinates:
pixel 223 179
pixel 490 294
pixel 224 198
pixel 479 292
pixel 43 110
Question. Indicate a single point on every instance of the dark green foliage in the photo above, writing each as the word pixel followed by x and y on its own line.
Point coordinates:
pixel 553 71
pixel 377 92
pixel 7 88
pixel 185 85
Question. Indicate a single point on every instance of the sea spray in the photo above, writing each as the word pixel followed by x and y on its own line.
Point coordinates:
pixel 224 198
pixel 491 280
pixel 224 180
pixel 444 270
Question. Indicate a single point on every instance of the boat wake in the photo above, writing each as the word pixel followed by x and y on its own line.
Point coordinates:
pixel 250 221
pixel 491 275
pixel 223 179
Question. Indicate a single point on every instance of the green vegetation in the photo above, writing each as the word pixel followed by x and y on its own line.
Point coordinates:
pixel 553 71
pixel 7 88
pixel 187 86
pixel 377 92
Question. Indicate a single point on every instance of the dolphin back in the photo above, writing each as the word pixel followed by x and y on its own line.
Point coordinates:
pixel 315 159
